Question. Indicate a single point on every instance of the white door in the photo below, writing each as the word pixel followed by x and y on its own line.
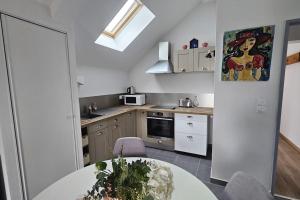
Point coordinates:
pixel 41 95
pixel 8 149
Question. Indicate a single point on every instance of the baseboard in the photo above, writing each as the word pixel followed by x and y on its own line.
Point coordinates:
pixel 287 140
pixel 218 181
pixel 279 197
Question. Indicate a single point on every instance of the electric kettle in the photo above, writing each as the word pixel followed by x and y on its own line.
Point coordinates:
pixel 131 90
pixel 187 102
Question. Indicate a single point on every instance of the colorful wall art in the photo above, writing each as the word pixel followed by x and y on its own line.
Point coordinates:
pixel 247 54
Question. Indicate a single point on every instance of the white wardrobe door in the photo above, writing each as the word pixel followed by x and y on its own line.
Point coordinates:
pixel 9 154
pixel 40 79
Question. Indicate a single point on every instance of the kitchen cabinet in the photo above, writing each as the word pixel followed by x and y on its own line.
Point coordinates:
pixel 184 61
pixel 101 141
pixel 191 133
pixel 98 136
pixel 194 60
pixel 129 122
pixel 201 62
pixel 141 124
pixel 104 134
pixel 117 130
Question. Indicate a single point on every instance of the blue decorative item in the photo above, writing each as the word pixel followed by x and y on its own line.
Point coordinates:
pixel 194 43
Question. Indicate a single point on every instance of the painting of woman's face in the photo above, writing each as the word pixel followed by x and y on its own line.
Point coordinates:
pixel 248 44
pixel 247 54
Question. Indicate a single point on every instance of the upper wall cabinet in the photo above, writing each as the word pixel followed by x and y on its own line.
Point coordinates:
pixel 194 60
pixel 201 61
pixel 185 61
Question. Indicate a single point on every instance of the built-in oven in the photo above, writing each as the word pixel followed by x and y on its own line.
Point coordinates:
pixel 160 124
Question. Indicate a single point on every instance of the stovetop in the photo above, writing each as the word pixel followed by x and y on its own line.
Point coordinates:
pixel 164 107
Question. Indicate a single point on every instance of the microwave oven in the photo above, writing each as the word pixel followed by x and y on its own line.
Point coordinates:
pixel 134 100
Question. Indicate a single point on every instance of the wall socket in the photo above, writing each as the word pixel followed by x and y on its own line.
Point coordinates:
pixel 261 105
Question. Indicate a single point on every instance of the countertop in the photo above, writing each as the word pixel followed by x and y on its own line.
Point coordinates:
pixel 114 111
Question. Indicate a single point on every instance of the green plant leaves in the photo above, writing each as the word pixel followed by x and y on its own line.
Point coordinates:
pixel 101 165
pixel 127 181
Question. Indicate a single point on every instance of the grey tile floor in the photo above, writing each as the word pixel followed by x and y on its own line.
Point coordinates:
pixel 198 166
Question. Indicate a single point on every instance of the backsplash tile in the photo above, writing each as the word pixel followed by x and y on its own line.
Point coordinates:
pixel 106 101
pixel 204 100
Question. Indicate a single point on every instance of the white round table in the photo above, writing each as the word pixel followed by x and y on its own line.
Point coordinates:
pixel 74 185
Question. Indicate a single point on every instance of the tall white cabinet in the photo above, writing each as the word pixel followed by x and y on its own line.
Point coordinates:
pixel 40 92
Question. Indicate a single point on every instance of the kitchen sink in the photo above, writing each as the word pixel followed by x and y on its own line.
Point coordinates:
pixel 91 116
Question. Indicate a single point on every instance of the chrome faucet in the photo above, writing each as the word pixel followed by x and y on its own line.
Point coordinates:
pixel 92 108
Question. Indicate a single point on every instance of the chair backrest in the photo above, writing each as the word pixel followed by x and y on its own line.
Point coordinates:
pixel 244 187
pixel 130 146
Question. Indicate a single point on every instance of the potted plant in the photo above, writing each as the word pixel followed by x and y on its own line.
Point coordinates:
pixel 138 180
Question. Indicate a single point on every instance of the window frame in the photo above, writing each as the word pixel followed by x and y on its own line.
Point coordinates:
pixel 132 11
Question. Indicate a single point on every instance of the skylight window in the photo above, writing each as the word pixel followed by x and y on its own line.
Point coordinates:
pixel 128 23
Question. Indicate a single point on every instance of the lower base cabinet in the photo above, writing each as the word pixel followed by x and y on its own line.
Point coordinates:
pixel 103 135
pixel 191 143
pixel 191 133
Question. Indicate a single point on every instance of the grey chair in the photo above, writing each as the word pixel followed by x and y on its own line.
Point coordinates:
pixel 244 187
pixel 130 147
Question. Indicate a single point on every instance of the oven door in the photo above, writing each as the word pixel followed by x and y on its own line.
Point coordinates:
pixel 160 127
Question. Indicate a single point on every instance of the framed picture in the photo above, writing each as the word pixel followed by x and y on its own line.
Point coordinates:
pixel 247 54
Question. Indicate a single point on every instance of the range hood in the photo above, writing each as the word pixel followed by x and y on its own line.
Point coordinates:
pixel 164 64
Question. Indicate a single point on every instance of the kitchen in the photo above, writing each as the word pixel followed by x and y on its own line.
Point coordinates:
pixel 160 89
pixel 165 75
pixel 72 86
pixel 166 126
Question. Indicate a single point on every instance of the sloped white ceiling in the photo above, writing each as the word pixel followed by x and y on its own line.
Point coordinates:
pixel 90 17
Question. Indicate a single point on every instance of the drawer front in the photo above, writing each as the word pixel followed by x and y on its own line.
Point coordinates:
pixel 191 127
pixel 97 126
pixel 196 144
pixel 190 117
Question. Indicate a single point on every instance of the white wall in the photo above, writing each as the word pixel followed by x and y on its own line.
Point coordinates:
pixel 201 24
pixel 243 138
pixel 102 81
pixel 290 126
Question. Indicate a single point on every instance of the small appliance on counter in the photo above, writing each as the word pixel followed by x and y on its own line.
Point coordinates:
pixel 186 103
pixel 135 100
pixel 131 90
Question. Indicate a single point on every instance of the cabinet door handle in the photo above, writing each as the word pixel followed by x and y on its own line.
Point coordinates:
pixel 190 123
pixel 189 137
pixel 189 116
pixel 99 133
